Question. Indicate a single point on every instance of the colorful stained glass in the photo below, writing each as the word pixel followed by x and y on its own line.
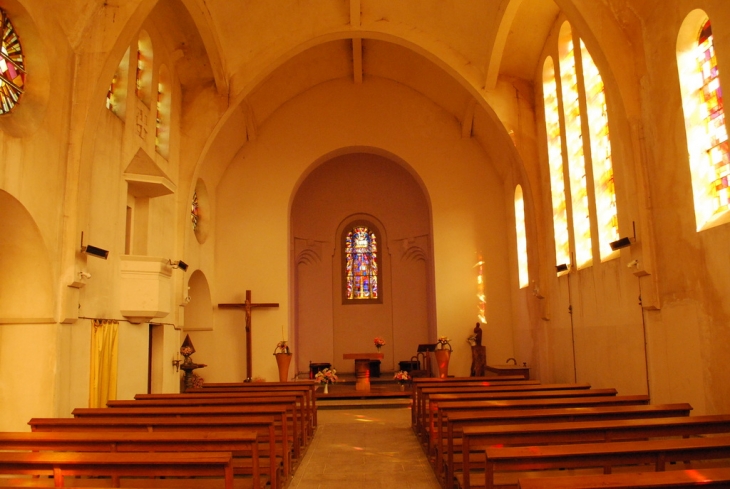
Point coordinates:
pixel 574 145
pixel 605 193
pixel 361 265
pixel 521 233
pixel 195 211
pixel 555 162
pixel 713 115
pixel 110 102
pixel 140 74
pixel 159 117
pixel 12 69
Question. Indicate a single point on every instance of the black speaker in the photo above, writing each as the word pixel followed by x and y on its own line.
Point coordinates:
pixel 94 251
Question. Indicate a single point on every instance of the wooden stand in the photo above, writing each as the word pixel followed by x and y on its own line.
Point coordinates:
pixel 478 360
pixel 362 368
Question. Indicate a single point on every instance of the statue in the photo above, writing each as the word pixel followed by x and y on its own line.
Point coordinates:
pixel 478 335
pixel 478 353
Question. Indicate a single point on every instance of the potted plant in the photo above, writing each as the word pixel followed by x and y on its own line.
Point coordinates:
pixel 283 359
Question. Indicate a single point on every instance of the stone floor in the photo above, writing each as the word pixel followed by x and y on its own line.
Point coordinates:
pixel 360 448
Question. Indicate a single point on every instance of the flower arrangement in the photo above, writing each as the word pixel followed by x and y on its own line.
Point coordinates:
pixel 186 351
pixel 402 377
pixel 379 341
pixel 326 376
pixel 198 381
pixel 443 342
pixel 472 340
pixel 282 347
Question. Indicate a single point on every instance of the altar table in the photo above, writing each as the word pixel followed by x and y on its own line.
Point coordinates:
pixel 362 368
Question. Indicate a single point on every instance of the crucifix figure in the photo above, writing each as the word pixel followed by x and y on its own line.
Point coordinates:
pixel 247 306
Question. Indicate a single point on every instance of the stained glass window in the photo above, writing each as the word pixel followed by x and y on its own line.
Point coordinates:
pixel 361 264
pixel 195 211
pixel 574 146
pixel 521 237
pixel 12 70
pixel 597 113
pixel 110 103
pixel 713 114
pixel 704 116
pixel 140 72
pixel 555 162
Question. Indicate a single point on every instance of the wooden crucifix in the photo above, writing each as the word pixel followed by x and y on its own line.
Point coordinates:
pixel 248 306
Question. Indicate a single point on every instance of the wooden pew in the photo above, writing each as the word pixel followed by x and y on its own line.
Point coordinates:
pixel 300 417
pixel 240 443
pixel 308 386
pixel 657 453
pixel 62 464
pixel 676 479
pixel 444 407
pixel 303 395
pixel 477 439
pixel 421 394
pixel 419 383
pixel 264 426
pixel 280 413
pixel 488 394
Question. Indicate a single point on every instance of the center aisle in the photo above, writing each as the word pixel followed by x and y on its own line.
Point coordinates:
pixel 358 448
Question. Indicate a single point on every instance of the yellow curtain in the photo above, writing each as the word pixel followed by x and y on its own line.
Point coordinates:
pixel 103 378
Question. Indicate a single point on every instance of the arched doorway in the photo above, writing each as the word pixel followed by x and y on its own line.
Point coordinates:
pixel 345 191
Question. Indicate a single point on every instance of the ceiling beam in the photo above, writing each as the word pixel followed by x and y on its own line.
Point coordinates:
pixel 357 60
pixel 467 122
pixel 508 9
pixel 355 13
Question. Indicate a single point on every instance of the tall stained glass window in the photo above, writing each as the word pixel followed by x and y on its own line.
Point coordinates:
pixel 574 146
pixel 361 264
pixel 521 234
pixel 12 69
pixel 606 214
pixel 555 162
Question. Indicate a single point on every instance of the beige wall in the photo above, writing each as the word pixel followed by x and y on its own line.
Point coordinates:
pixel 252 133
pixel 339 192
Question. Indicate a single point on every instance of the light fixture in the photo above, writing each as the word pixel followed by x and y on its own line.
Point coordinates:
pixel 623 242
pixel 179 264
pixel 563 267
pixel 93 250
pixel 83 275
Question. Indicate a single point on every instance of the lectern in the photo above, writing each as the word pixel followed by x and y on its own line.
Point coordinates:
pixel 362 368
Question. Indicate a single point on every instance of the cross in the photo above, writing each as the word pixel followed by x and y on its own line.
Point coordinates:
pixel 248 307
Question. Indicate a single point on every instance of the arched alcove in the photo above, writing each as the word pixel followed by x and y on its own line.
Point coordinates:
pixel 199 310
pixel 26 288
pixel 346 190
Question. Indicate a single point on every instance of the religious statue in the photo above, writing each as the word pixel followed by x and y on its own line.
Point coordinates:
pixel 478 353
pixel 478 335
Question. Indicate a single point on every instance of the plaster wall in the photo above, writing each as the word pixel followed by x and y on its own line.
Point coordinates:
pixel 689 339
pixel 254 195
pixel 350 188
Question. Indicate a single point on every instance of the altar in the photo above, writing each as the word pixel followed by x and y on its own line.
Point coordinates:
pixel 362 368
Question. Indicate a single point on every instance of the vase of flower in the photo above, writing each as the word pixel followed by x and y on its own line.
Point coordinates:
pixel 379 343
pixel 283 359
pixel 326 377
pixel 402 377
pixel 443 355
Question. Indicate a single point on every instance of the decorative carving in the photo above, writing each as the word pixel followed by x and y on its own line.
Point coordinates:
pixel 141 123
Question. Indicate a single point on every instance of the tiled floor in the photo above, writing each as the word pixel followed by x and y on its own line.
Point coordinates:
pixel 360 448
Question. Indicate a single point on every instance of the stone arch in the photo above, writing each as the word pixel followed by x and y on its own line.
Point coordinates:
pixel 199 308
pixel 26 290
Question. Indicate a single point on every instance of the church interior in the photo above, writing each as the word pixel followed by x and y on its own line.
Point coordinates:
pixel 553 170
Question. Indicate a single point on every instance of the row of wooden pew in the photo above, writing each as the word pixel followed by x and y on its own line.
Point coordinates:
pixel 500 432
pixel 239 435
